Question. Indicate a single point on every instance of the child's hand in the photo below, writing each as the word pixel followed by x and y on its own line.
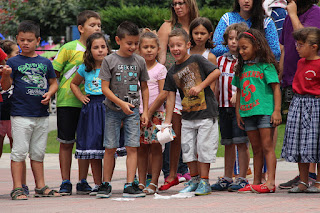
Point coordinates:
pixel 233 99
pixel 276 118
pixel 125 106
pixel 292 7
pixel 84 99
pixel 6 70
pixel 144 119
pixel 240 121
pixel 46 99
pixel 194 91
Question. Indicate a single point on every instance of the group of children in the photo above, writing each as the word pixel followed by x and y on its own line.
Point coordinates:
pixel 101 92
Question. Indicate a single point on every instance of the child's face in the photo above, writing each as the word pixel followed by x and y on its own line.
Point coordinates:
pixel 14 52
pixel 245 5
pixel 149 49
pixel 200 35
pixel 128 45
pixel 92 25
pixel 232 41
pixel 246 49
pixel 99 49
pixel 179 48
pixel 28 42
pixel 305 50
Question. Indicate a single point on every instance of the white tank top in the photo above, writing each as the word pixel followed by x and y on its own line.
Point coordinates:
pixel 205 54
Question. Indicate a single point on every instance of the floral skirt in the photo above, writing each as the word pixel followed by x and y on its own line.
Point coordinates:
pixel 148 134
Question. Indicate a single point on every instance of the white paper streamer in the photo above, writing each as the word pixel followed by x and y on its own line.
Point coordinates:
pixel 165 133
pixel 176 196
pixel 122 199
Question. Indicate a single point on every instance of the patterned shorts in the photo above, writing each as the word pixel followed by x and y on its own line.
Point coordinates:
pixel 148 134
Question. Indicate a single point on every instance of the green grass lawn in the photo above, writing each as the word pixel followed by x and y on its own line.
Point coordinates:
pixel 53 144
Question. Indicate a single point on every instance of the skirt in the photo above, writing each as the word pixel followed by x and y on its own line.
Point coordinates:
pixel 148 134
pixel 90 130
pixel 301 143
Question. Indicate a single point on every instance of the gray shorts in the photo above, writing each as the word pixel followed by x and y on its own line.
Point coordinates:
pixel 199 140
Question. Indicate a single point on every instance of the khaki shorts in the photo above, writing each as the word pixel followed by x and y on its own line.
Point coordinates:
pixel 199 140
pixel 29 134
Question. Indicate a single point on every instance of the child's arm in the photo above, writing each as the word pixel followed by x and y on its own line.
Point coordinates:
pixel 157 103
pixel 239 119
pixel 125 106
pixel 171 99
pixel 276 118
pixel 52 89
pixel 210 78
pixel 213 59
pixel 145 99
pixel 74 85
pixel 6 80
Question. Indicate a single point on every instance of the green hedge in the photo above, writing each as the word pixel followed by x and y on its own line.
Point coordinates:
pixel 144 16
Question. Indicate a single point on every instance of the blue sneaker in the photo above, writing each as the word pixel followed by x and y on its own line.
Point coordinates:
pixel 148 180
pixel 239 184
pixel 83 188
pixel 192 185
pixel 65 188
pixel 221 184
pixel 203 188
pixel 25 189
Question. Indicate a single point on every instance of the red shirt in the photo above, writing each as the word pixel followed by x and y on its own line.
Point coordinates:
pixel 3 55
pixel 307 78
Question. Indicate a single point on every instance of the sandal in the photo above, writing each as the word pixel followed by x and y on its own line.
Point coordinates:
pixel 41 192
pixel 150 191
pixel 143 186
pixel 15 193
pixel 297 189
pixel 313 189
pixel 168 184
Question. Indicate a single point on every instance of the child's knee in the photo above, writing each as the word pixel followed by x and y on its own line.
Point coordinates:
pixel 18 155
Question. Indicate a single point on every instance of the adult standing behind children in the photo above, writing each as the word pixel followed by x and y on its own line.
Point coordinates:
pixel 120 74
pixel 34 83
pixel 69 57
pixel 252 13
pixel 301 13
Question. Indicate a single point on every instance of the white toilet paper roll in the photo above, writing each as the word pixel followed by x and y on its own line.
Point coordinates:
pixel 165 136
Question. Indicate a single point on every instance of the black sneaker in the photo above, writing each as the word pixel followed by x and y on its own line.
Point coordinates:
pixel 290 184
pixel 104 190
pixel 83 188
pixel 65 188
pixel 132 190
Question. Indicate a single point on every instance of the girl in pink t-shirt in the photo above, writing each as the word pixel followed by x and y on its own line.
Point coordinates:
pixel 149 49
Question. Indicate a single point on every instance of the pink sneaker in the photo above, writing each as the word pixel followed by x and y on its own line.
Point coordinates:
pixel 181 178
pixel 187 176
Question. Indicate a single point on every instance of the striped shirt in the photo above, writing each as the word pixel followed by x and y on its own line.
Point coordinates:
pixel 226 90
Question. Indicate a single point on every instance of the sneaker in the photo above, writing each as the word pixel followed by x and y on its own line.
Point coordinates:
pixel 180 178
pixel 104 190
pixel 246 189
pixel 203 188
pixel 262 188
pixel 221 184
pixel 191 186
pixel 148 180
pixel 239 184
pixel 136 181
pixel 65 188
pixel 94 190
pixel 132 190
pixel 83 187
pixel 290 184
pixel 187 176
pixel 25 189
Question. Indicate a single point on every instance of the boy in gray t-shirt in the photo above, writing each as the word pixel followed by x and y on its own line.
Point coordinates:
pixel 120 76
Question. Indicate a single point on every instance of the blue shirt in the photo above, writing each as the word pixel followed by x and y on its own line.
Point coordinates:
pixel 233 17
pixel 30 79
pixel 92 85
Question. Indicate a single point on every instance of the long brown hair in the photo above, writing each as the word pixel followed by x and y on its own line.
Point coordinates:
pixel 208 25
pixel 88 57
pixel 263 51
pixel 193 12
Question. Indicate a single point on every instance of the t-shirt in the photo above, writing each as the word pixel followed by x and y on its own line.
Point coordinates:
pixel 30 79
pixel 308 19
pixel 234 17
pixel 66 61
pixel 307 78
pixel 158 72
pixel 256 94
pixel 226 64
pixel 124 75
pixel 3 55
pixel 189 74
pixel 92 84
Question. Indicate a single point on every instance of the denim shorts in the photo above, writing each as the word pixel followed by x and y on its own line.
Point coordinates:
pixel 257 122
pixel 230 132
pixel 131 128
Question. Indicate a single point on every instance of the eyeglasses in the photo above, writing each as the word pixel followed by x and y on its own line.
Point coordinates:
pixel 299 45
pixel 177 4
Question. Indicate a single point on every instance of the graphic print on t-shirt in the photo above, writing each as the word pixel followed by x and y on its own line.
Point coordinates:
pixel 185 79
pixel 34 76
